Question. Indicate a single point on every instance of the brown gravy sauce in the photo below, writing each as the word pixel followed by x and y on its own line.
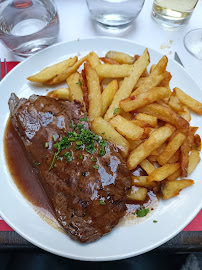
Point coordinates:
pixel 27 182
pixel 21 170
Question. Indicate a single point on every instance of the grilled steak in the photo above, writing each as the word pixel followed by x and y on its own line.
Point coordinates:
pixel 86 185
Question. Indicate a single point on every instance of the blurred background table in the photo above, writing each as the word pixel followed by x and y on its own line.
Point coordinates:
pixel 76 23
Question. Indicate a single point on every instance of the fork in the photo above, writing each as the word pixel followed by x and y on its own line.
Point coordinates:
pixel 5 69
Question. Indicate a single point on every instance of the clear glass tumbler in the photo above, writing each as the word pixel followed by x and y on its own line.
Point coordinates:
pixel 173 14
pixel 28 26
pixel 114 13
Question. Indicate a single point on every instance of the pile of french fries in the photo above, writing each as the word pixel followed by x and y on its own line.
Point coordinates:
pixel 138 112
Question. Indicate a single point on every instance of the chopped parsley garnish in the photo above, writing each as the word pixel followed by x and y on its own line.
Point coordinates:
pixel 54 137
pixel 37 164
pixel 83 139
pixel 93 159
pixel 155 221
pixel 79 83
pixel 81 157
pixel 85 119
pixel 103 144
pixel 142 211
pixel 115 111
pixel 68 156
pixel 46 144
pixel 103 133
pixel 102 203
pixel 96 166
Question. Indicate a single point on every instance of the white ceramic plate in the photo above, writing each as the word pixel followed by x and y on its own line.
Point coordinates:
pixel 123 242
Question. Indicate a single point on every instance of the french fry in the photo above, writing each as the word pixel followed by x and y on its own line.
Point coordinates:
pixel 171 148
pixel 194 159
pixel 163 172
pixel 184 154
pixel 196 145
pixel 67 72
pixel 166 79
pixel 152 68
pixel 128 84
pixel 140 123
pixel 156 139
pixel 120 57
pixel 52 71
pixel 94 92
pixel 84 88
pixel 190 102
pixel 141 181
pixel 147 166
pixel 134 102
pixel 160 149
pixel 149 119
pixel 171 189
pixel 149 82
pixel 137 194
pixel 113 71
pixel 175 158
pixel 126 128
pixel 126 115
pixel 93 59
pixel 174 175
pixel 108 60
pixel 185 114
pixel 106 131
pixel 74 83
pixel 60 93
pixel 175 104
pixel 108 95
pixel 166 114
pixel 140 81
pixel 134 144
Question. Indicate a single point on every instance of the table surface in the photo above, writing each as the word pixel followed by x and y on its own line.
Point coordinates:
pixel 76 23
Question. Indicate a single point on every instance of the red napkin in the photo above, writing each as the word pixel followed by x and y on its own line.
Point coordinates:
pixel 195 225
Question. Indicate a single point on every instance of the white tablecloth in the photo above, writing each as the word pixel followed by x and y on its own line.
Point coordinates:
pixel 76 23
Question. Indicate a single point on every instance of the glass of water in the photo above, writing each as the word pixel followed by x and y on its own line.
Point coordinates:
pixel 114 13
pixel 173 14
pixel 28 26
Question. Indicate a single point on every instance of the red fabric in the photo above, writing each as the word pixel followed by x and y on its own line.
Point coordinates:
pixel 195 225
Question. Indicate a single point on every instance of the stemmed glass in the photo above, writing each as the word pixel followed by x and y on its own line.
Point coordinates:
pixel 193 42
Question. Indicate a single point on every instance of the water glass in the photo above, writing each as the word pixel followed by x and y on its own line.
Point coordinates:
pixel 27 26
pixel 114 13
pixel 173 14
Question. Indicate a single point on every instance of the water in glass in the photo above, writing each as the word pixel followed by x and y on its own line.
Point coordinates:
pixel 27 26
pixel 114 13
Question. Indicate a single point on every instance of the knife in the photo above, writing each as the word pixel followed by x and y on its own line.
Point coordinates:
pixel 177 59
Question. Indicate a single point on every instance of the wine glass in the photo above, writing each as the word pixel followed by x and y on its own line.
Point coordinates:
pixel 193 42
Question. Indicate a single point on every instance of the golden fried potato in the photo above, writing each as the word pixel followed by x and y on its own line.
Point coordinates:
pixel 147 166
pixel 113 71
pixel 108 95
pixel 163 172
pixel 106 131
pixel 194 159
pixel 149 119
pixel 74 83
pixel 94 92
pixel 93 59
pixel 52 71
pixel 156 139
pixel 120 57
pixel 137 194
pixel 171 189
pixel 171 148
pixel 166 114
pixel 128 84
pixel 126 128
pixel 134 102
pixel 60 93
pixel 190 102
pixel 141 181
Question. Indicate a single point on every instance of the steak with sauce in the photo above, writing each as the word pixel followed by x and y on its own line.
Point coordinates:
pixel 86 190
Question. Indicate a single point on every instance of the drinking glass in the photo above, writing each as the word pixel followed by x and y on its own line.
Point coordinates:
pixel 193 42
pixel 27 26
pixel 114 13
pixel 173 14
